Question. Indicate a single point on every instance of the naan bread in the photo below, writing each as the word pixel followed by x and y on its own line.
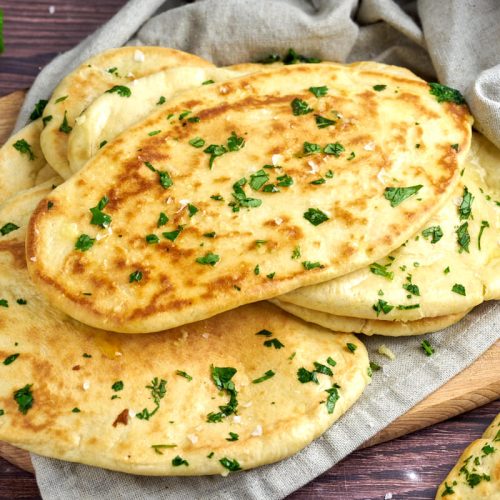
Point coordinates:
pixel 153 168
pixel 371 326
pixel 477 473
pixel 89 387
pixel 109 115
pixel 116 67
pixel 22 164
pixel 434 268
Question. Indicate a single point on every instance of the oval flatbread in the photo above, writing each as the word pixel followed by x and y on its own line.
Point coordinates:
pixel 22 164
pixel 248 214
pixel 477 473
pixel 243 389
pixel 109 115
pixel 371 326
pixel 451 265
pixel 112 70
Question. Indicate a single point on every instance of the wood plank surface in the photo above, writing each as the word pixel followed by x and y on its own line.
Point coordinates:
pixel 409 467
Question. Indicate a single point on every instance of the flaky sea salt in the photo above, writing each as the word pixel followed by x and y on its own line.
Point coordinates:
pixel 139 56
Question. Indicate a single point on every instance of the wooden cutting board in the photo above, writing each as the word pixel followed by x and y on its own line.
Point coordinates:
pixel 475 386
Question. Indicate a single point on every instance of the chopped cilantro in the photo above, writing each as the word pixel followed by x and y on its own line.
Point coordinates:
pixel 411 288
pixel 381 270
pixel 24 148
pixel 194 119
pixel 428 349
pixel 315 216
pixel 264 333
pixel 208 82
pixel 99 218
pixel 214 150
pixel 135 276
pixel 316 182
pixel 178 461
pixel 241 199
pixel 402 307
pixel 351 347
pixel 184 114
pixel 484 225
pixel 165 179
pixel 154 132
pixel 152 239
pixel 60 99
pixel 310 149
pixel 222 380
pixel 117 386
pixel 172 235
pixel 306 376
pixel 488 449
pixel 102 144
pixel 458 288
pixel 184 374
pixel 319 91
pixel 235 143
pixel 325 370
pixel 217 197
pixel 446 94
pixel 351 156
pixel 455 147
pixel 273 343
pixel 65 127
pixel 284 180
pixel 448 490
pixel 211 234
pixel 323 122
pixel 269 374
pixel 292 57
pixel 38 110
pixel 296 253
pixel 10 359
pixel 300 107
pixel 446 270
pixel 84 243
pixel 333 397
pixel 334 148
pixel 121 90
pixel 8 228
pixel 162 219
pixel 192 209
pixel 397 195
pixel 4 303
pixel 375 367
pixel 258 179
pixel 379 88
pixel 233 437
pixel 24 398
pixel 382 306
pixel 46 119
pixel 435 231
pixel 75 410
pixel 270 275
pixel 22 302
pixel 463 237
pixel 256 270
pixel 158 389
pixel 197 142
pixel 331 361
pixel 329 174
pixel 210 259
pixel 230 464
pixel 308 265
pixel 464 210
pixel 161 101
pixel 85 355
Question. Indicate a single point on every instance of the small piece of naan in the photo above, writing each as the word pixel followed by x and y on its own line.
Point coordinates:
pixel 112 69
pixel 109 115
pixel 149 404
pixel 477 473
pixel 264 187
pixel 371 326
pixel 22 164
pixel 443 270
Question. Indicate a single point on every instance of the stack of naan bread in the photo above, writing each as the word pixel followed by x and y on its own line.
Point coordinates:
pixel 186 196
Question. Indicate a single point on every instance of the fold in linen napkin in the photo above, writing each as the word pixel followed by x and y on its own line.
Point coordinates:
pixel 456 41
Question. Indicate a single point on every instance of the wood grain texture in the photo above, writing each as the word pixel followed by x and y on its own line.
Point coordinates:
pixel 408 467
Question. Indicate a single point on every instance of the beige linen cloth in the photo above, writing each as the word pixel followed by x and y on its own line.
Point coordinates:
pixel 454 41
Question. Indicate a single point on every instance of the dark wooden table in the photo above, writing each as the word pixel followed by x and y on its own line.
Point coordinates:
pixel 409 467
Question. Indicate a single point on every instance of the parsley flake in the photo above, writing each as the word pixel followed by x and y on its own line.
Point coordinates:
pixel 209 259
pixel 428 349
pixel 323 122
pixel 351 347
pixel 38 110
pixel 381 270
pixel 135 276
pixel 484 225
pixel 158 389
pixel 24 148
pixel 24 398
pixel 435 231
pixel 397 195
pixel 308 265
pixel 121 90
pixel 319 91
pixel 117 386
pixel 379 88
pixel 334 149
pixel 178 461
pixel 446 94
pixel 230 464
pixel 99 218
pixel 300 107
pixel 184 374
pixel 458 288
pixel 197 142
pixel 463 237
pixel 84 243
pixel 333 397
pixel 273 343
pixel 8 228
pixel 464 210
pixel 315 216
pixel 269 374
pixel 10 359
pixel 382 306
